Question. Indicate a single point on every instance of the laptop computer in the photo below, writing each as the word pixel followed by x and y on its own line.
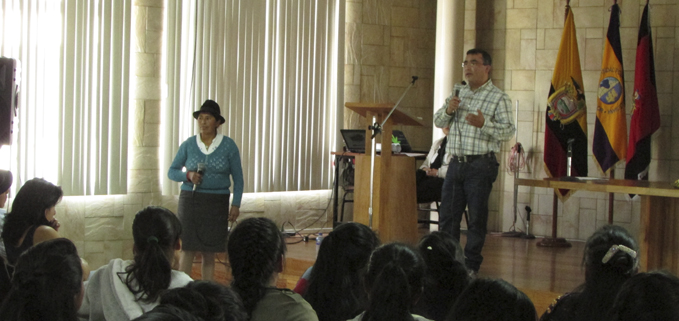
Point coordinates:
pixel 354 139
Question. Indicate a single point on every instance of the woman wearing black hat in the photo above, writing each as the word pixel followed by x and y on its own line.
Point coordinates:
pixel 211 160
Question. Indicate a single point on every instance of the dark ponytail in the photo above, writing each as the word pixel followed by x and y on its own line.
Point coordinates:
pixel 156 232
pixel 394 282
pixel 255 247
pixel 47 280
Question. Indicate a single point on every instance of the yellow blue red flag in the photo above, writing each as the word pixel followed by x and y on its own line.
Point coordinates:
pixel 609 146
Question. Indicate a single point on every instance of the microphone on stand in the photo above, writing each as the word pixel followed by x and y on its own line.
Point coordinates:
pixel 201 171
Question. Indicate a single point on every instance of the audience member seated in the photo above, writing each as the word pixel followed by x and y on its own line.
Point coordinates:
pixel 489 299
pixel 168 313
pixel 394 283
pixel 446 275
pixel 208 300
pixel 610 259
pixel 335 289
pixel 647 297
pixel 32 219
pixel 47 284
pixel 429 178
pixel 256 252
pixel 124 290
pixel 30 222
pixel 5 184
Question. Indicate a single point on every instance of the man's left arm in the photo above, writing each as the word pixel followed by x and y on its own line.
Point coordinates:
pixel 500 124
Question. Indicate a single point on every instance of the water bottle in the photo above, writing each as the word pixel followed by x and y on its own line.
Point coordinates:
pixel 319 239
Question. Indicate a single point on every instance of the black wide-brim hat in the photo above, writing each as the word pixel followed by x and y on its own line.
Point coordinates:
pixel 211 107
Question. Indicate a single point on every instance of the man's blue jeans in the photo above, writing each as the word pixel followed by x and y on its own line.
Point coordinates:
pixel 468 185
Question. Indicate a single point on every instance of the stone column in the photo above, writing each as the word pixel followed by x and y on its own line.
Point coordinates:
pixel 449 51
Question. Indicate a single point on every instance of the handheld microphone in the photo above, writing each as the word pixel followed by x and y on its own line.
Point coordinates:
pixel 200 170
pixel 457 89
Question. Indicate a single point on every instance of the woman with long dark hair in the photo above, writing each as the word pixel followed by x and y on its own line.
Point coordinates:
pixel 257 254
pixel 335 288
pixel 124 290
pixel 32 219
pixel 47 284
pixel 446 275
pixel 394 283
pixel 610 259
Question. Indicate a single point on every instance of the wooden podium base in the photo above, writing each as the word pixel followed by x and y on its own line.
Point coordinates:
pixel 554 242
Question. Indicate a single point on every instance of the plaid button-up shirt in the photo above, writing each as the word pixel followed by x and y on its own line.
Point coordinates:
pixel 465 139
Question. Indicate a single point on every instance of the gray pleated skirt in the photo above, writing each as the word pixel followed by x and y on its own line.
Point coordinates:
pixel 205 221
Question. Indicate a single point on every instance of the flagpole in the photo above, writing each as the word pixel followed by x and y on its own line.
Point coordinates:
pixel 610 200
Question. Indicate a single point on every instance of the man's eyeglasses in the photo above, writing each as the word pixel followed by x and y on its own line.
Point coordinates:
pixel 471 63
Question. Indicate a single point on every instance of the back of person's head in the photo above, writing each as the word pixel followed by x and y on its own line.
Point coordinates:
pixel 492 299
pixel 164 312
pixel 208 300
pixel 393 282
pixel 256 250
pixel 610 258
pixel 446 275
pixel 28 208
pixel 336 289
pixel 47 283
pixel 156 231
pixel 647 297
pixel 619 262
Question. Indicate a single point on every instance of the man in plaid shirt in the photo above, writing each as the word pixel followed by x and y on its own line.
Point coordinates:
pixel 480 119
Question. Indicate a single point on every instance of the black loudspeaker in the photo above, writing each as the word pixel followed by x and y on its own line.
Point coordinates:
pixel 10 72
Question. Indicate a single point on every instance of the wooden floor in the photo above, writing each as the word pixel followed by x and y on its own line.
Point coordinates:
pixel 542 273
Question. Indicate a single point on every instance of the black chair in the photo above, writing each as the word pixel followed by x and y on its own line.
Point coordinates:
pixel 348 190
pixel 438 205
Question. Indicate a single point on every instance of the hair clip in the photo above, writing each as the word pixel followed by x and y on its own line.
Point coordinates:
pixel 152 239
pixel 429 248
pixel 614 249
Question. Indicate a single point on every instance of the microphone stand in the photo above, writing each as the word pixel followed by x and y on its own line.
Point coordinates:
pixel 377 128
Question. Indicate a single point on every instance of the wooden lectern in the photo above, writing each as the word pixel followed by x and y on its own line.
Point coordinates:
pixel 394 192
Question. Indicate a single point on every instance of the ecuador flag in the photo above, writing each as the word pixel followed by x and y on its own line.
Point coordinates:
pixel 645 115
pixel 610 130
pixel 566 116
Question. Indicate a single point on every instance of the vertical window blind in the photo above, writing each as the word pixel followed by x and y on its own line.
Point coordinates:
pixel 273 67
pixel 72 122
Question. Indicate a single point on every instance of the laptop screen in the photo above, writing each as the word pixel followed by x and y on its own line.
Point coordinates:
pixel 354 139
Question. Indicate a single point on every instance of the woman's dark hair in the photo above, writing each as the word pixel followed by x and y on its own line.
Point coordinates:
pixel 603 280
pixel 47 280
pixel 156 231
pixel 489 299
pixel 336 288
pixel 208 300
pixel 255 247
pixel 168 313
pixel 28 208
pixel 446 275
pixel 393 281
pixel 647 297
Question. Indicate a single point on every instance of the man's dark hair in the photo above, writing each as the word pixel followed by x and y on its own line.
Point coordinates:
pixel 487 60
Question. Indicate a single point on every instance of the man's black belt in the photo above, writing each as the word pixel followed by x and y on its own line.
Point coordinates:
pixel 471 158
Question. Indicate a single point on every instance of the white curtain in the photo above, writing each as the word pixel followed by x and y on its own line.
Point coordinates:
pixel 274 68
pixel 72 122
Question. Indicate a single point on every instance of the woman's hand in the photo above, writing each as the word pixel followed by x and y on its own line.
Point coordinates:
pixel 234 213
pixel 195 177
pixel 55 224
